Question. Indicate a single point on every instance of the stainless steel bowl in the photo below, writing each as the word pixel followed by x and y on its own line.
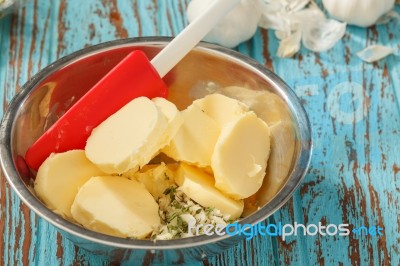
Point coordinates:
pixel 49 93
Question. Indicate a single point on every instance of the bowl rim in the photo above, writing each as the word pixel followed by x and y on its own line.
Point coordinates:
pixel 19 187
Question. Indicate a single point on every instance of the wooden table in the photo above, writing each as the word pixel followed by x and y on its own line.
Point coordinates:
pixel 354 109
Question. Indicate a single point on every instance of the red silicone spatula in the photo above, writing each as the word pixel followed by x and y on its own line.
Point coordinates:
pixel 134 76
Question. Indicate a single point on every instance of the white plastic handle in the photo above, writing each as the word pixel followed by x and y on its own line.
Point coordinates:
pixel 191 35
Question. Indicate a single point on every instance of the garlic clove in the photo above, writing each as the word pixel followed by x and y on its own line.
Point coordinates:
pixel 374 53
pixel 324 35
pixel 302 19
pixel 273 16
pixel 290 45
pixel 276 14
pixel 319 34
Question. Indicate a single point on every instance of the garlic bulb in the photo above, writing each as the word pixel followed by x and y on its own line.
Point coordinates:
pixel 374 53
pixel 362 13
pixel 237 26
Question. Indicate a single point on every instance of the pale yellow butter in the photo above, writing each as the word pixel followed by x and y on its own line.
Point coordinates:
pixel 199 186
pixel 60 177
pixel 155 177
pixel 221 108
pixel 240 156
pixel 194 142
pixel 128 138
pixel 174 119
pixel 116 206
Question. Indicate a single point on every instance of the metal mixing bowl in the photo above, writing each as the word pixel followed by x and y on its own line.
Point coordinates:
pixel 49 93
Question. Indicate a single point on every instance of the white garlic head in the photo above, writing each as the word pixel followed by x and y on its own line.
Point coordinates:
pixel 237 26
pixel 362 13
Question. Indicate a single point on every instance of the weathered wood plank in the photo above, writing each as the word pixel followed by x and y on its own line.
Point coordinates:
pixel 349 181
pixel 22 48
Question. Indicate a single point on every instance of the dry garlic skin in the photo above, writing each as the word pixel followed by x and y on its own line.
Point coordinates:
pixel 116 206
pixel 60 177
pixel 240 156
pixel 199 186
pixel 128 138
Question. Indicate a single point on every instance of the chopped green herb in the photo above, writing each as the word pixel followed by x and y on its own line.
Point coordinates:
pixel 173 204
pixel 208 210
pixel 176 204
pixel 166 176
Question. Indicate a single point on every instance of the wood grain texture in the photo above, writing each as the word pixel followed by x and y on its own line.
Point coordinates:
pixel 353 107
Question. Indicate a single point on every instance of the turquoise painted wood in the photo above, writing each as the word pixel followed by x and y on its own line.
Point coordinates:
pixel 354 110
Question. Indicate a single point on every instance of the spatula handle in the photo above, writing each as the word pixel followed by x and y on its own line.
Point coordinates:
pixel 191 35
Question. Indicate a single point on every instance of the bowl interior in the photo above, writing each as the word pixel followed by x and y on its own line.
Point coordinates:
pixel 52 91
